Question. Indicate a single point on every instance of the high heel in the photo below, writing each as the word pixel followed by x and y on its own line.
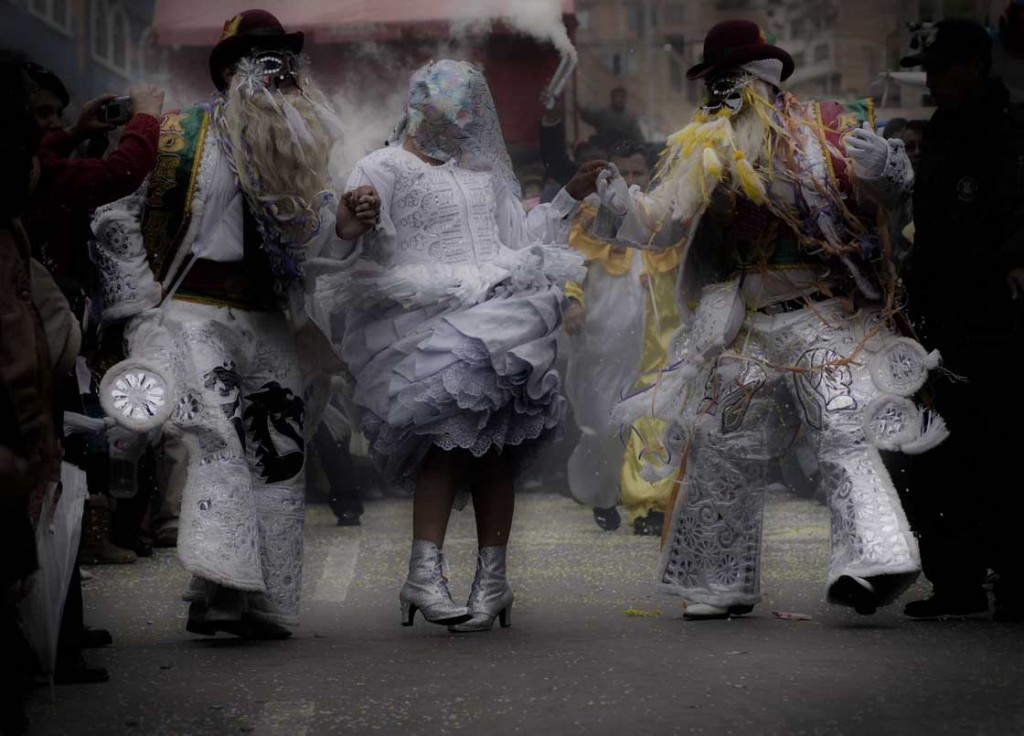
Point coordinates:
pixel 491 597
pixel 426 588
pixel 505 616
pixel 408 613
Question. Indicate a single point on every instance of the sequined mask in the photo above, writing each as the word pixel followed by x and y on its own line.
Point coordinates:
pixel 277 69
pixel 725 93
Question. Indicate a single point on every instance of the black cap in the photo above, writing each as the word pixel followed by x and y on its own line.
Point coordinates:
pixel 45 79
pixel 953 40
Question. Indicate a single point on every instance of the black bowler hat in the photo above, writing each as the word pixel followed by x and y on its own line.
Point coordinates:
pixel 246 32
pixel 954 40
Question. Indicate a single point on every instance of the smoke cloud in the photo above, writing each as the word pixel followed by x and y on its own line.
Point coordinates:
pixel 541 19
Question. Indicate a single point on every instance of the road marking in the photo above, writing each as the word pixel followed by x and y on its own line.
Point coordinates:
pixel 285 718
pixel 339 567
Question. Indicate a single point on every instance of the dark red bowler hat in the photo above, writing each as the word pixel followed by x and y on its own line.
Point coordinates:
pixel 246 32
pixel 733 43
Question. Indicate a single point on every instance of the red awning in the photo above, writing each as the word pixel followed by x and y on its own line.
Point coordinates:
pixel 199 22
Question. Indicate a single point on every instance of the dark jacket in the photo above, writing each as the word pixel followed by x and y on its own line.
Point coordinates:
pixel 969 217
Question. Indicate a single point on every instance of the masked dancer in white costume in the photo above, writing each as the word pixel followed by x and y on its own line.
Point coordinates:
pixel 789 327
pixel 201 267
pixel 451 317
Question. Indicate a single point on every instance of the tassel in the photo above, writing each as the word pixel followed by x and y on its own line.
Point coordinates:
pixel 328 118
pixel 749 181
pixel 934 434
pixel 297 126
pixel 712 164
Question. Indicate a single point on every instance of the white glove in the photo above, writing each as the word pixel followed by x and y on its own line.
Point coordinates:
pixel 613 191
pixel 868 151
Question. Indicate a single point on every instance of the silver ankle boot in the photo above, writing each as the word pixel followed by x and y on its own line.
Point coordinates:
pixel 491 596
pixel 426 588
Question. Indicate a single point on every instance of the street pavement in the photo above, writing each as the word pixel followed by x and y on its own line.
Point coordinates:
pixel 591 650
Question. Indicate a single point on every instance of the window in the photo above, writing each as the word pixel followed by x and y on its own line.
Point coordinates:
pixel 111 44
pixel 635 15
pixel 55 13
pixel 675 73
pixel 675 13
pixel 821 53
pixel 152 58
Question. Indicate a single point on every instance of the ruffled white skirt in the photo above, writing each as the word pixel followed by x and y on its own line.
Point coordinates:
pixel 472 373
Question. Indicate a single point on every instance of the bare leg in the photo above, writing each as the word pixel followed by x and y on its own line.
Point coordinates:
pixel 493 500
pixel 436 486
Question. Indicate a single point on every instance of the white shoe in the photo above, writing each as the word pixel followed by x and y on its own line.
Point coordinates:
pixel 697 611
pixel 704 610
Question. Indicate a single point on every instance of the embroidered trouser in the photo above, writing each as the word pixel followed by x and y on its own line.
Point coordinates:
pixel 782 373
pixel 239 411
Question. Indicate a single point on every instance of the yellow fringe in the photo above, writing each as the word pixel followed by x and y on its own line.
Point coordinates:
pixel 749 180
pixel 712 163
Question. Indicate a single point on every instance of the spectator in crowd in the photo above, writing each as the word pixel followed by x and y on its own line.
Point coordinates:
pixel 531 179
pixel 965 292
pixel 559 166
pixel 632 162
pixel 901 221
pixel 57 220
pixel 29 453
pixel 911 132
pixel 614 122
pixel 49 98
pixel 58 225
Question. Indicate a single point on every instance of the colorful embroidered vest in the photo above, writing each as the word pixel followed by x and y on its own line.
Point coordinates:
pixel 172 185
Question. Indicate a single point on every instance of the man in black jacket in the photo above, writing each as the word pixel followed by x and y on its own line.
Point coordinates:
pixel 965 295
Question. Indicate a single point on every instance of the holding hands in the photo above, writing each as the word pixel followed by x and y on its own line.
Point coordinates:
pixel 613 190
pixel 584 182
pixel 358 211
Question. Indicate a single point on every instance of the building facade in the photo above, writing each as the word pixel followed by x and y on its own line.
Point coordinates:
pixel 840 48
pixel 94 46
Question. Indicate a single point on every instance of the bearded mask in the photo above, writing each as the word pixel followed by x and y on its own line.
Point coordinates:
pixel 726 143
pixel 277 129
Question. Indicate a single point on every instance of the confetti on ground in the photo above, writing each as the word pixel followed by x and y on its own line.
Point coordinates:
pixel 637 613
pixel 788 616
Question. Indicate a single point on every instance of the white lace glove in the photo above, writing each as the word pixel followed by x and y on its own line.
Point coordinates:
pixel 613 191
pixel 868 151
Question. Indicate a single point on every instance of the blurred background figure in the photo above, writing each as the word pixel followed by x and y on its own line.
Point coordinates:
pixel 614 122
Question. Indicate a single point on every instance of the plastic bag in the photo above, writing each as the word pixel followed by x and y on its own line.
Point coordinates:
pixel 57 536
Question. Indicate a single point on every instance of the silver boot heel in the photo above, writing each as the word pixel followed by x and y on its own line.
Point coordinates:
pixel 426 588
pixel 491 596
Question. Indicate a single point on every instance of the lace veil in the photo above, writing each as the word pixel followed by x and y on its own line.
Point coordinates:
pixel 451 115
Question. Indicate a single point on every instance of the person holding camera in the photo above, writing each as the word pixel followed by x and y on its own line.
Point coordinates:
pixel 70 188
pixel 57 222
